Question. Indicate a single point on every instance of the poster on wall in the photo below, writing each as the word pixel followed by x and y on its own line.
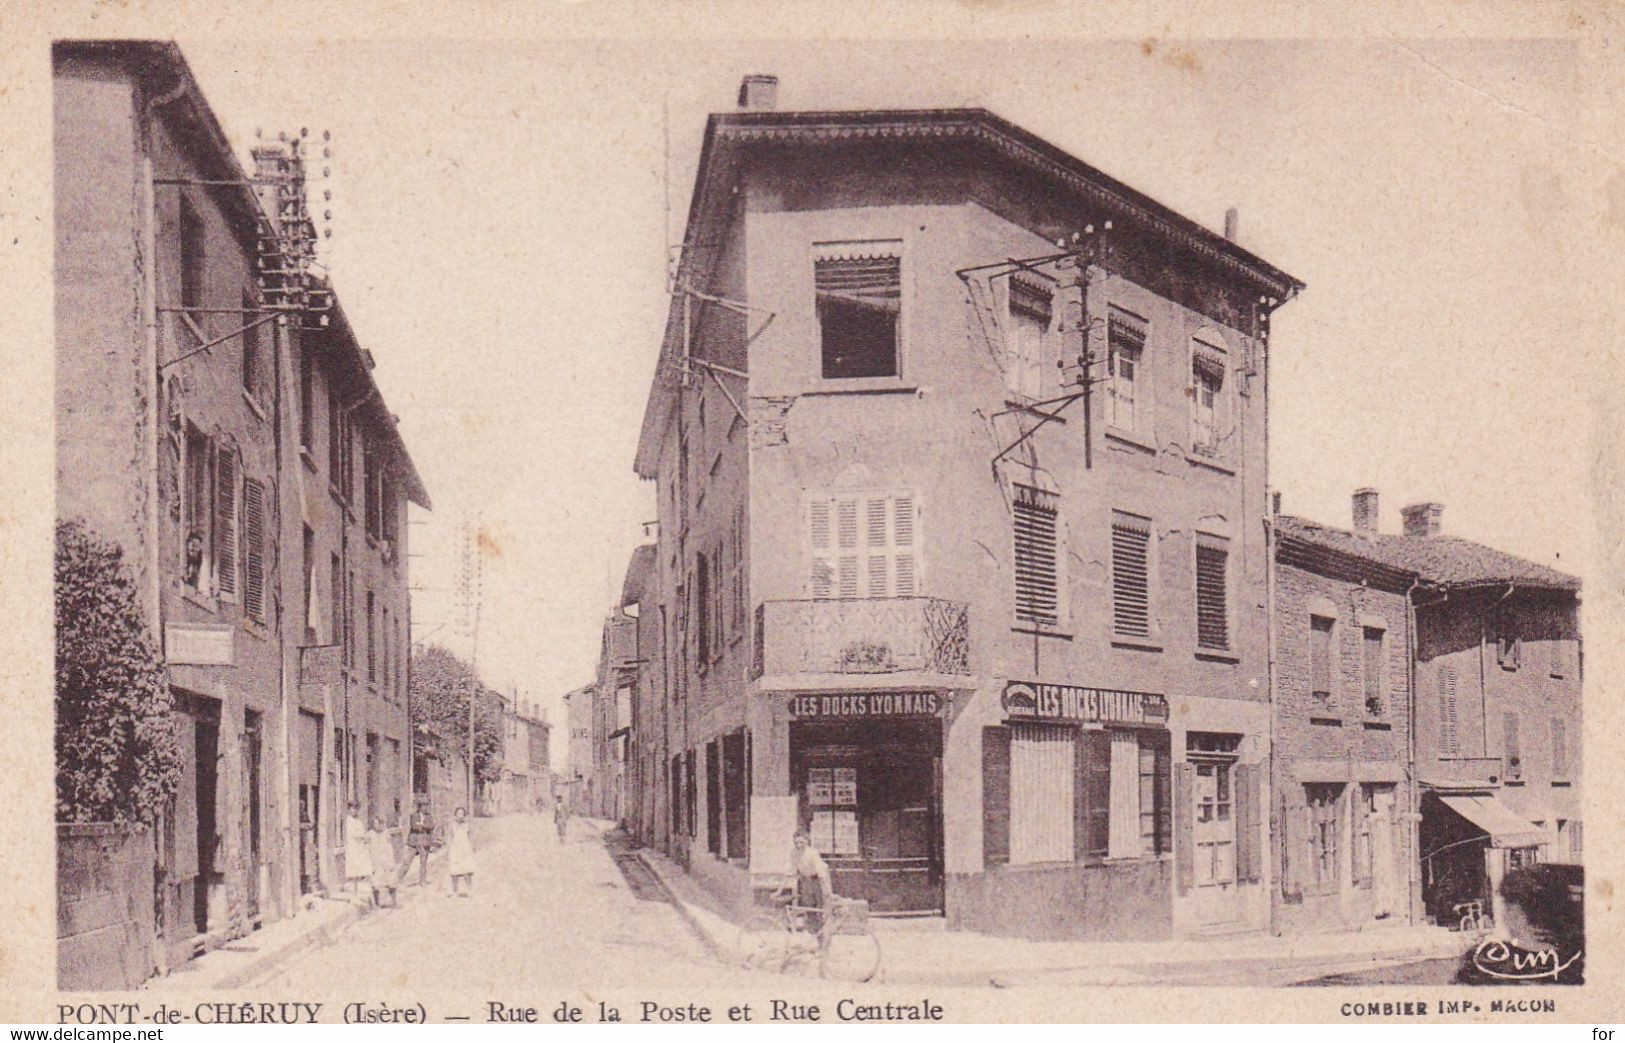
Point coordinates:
pixel 819 783
pixel 823 831
pixel 845 788
pixel 845 829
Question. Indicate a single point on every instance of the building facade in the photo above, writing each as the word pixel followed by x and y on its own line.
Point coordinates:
pixel 961 545
pixel 1345 835
pixel 577 782
pixel 217 419
pixel 648 812
pixel 1497 673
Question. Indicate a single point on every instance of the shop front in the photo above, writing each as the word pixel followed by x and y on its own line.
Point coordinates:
pixel 1469 840
pixel 866 768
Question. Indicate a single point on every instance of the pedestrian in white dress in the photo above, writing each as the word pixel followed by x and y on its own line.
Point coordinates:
pixel 357 860
pixel 460 855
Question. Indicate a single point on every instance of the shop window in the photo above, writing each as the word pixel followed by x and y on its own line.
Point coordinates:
pixel 832 806
pixel 1038 556
pixel 1371 664
pixel 1131 575
pixel 1207 397
pixel 225 522
pixel 1512 760
pixel 1042 765
pixel 253 549
pixel 859 300
pixel 1212 592
pixel 1125 337
pixel 1028 366
pixel 863 546
pixel 1325 833
pixel 1320 660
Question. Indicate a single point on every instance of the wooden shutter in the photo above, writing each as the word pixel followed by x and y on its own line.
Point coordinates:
pixel 1212 593
pixel 1162 743
pixel 847 582
pixel 1131 576
pixel 995 796
pixel 1097 793
pixel 905 547
pixel 1080 797
pixel 1449 737
pixel 1184 849
pixel 1037 557
pixel 821 542
pixel 254 549
pixel 225 521
pixel 1249 806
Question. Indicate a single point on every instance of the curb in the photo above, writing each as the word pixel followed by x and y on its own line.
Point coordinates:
pixel 695 918
pixel 270 958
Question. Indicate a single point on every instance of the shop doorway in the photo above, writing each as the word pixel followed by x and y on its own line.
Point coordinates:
pixel 309 741
pixel 871 800
pixel 1213 826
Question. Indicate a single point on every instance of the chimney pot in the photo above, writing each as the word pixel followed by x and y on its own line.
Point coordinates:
pixel 1232 220
pixel 759 92
pixel 1423 519
pixel 1365 510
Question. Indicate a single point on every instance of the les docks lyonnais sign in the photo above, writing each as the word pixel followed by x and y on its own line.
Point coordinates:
pixel 850 705
pixel 1036 701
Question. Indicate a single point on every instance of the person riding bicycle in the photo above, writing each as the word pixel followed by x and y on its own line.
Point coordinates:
pixel 813 894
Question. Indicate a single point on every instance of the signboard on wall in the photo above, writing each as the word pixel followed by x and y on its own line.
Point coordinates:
pixel 1036 701
pixel 772 836
pixel 199 644
pixel 860 705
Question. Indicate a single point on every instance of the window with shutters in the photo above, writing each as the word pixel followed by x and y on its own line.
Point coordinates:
pixel 1560 750
pixel 1325 836
pixel 1038 557
pixel 335 591
pixel 1320 660
pixel 863 545
pixel 1512 755
pixel 736 577
pixel 372 491
pixel 199 544
pixel 1208 413
pixel 1131 575
pixel 702 606
pixel 1212 592
pixel 255 383
pixel 372 639
pixel 1042 763
pixel 1449 731
pixel 1029 365
pixel 1125 338
pixel 859 300
pixel 1371 666
pixel 253 546
pixel 225 521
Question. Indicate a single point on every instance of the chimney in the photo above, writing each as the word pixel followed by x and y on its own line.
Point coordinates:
pixel 759 93
pixel 1365 511
pixel 1231 219
pixel 1422 519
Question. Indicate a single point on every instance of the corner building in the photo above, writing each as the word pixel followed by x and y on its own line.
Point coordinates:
pixel 962 553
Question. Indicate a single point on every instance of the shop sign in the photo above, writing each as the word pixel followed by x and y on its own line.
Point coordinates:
pixel 852 705
pixel 1032 700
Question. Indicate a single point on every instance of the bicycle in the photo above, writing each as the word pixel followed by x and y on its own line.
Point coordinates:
pixel 845 948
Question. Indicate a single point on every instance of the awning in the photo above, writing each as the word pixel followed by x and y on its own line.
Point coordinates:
pixel 1505 827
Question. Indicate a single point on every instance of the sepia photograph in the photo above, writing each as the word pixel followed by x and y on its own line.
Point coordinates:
pixel 981 525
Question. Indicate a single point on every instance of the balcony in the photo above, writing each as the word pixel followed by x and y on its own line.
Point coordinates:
pixel 872 643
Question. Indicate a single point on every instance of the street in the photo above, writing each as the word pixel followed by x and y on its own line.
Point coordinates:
pixel 540 913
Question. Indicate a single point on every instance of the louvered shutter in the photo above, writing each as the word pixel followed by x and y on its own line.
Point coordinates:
pixel 847 583
pixel 1037 557
pixel 225 521
pixel 1449 737
pixel 1212 593
pixel 1098 792
pixel 995 796
pixel 821 541
pixel 869 282
pixel 905 560
pixel 1249 852
pixel 1184 847
pixel 1131 567
pixel 254 549
pixel 877 570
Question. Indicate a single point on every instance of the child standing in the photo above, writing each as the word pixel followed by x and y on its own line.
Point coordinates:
pixel 381 849
pixel 357 862
pixel 460 854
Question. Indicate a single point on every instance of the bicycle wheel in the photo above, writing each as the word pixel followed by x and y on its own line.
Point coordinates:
pixel 850 957
pixel 757 949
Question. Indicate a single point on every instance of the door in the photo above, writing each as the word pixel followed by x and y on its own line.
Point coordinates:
pixel 207 745
pixel 178 858
pixel 1213 838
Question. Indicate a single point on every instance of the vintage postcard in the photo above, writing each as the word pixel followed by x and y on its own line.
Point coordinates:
pixel 579 513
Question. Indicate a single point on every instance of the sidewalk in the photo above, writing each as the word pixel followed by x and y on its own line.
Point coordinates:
pixel 319 920
pixel 923 952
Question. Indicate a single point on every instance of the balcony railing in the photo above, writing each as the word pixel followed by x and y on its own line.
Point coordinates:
pixel 862 636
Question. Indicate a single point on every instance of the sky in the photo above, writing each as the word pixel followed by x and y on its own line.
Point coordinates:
pixel 501 215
